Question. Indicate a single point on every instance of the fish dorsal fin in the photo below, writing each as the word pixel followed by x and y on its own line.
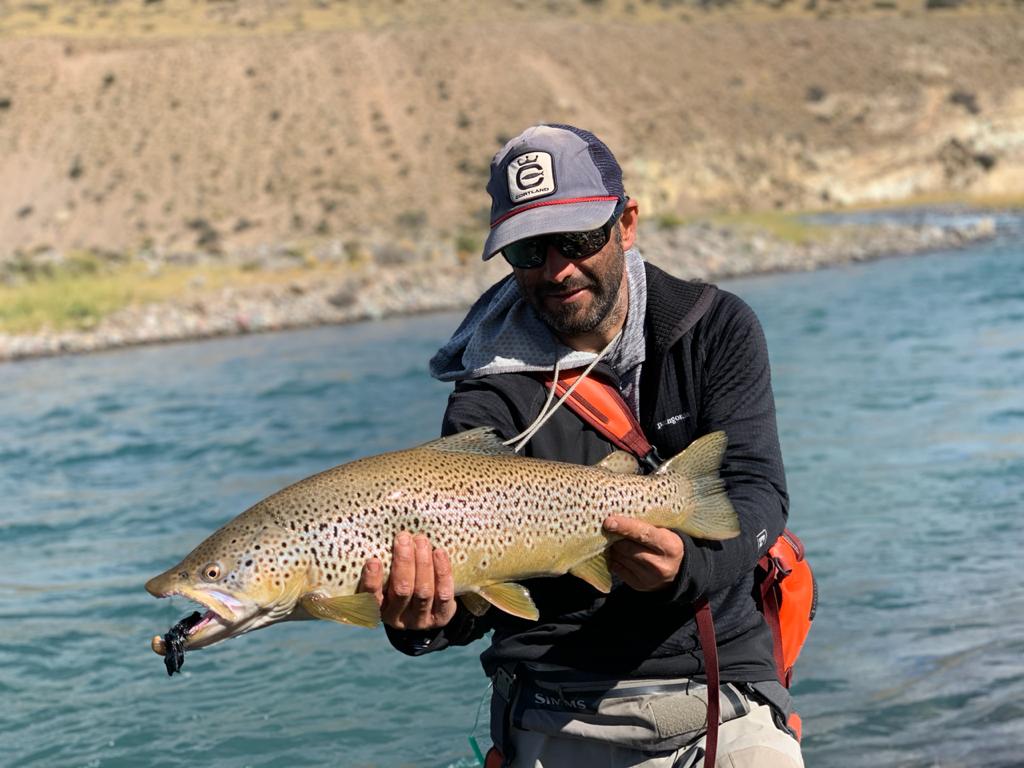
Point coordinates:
pixel 360 609
pixel 511 598
pixel 620 462
pixel 595 572
pixel 474 603
pixel 701 458
pixel 482 440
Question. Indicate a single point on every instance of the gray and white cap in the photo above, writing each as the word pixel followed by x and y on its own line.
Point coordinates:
pixel 551 178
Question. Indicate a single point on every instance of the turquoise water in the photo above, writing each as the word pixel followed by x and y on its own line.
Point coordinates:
pixel 901 410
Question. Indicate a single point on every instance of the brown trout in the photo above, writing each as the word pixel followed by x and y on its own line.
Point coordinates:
pixel 502 518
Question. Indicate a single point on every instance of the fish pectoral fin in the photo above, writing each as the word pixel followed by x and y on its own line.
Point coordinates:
pixel 595 572
pixel 360 609
pixel 474 603
pixel 511 598
pixel 619 462
pixel 482 440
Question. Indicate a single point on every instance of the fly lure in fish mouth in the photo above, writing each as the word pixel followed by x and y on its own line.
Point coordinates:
pixel 174 642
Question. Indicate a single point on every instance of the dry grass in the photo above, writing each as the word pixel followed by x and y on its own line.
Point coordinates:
pixel 75 299
pixel 788 227
pixel 1000 202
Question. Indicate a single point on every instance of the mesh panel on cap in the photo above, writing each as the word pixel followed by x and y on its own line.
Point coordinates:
pixel 611 173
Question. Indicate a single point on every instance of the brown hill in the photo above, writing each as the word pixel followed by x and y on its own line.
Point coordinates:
pixel 218 126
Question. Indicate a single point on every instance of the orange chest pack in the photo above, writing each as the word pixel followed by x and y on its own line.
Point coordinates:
pixel 785 590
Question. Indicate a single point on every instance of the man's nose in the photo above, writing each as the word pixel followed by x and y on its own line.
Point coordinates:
pixel 557 268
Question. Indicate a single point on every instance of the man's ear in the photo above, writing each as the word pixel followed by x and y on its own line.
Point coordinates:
pixel 628 223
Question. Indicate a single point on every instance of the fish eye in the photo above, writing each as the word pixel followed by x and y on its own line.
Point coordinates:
pixel 211 571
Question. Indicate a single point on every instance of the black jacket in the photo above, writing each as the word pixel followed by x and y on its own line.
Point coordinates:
pixel 706 369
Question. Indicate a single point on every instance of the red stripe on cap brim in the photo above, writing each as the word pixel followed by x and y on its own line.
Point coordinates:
pixel 545 220
pixel 542 203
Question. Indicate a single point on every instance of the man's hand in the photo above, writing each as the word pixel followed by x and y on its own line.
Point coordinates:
pixel 647 558
pixel 420 594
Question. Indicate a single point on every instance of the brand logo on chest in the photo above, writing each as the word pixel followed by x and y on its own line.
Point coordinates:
pixel 679 417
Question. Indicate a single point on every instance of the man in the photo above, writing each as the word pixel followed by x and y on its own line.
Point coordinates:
pixel 689 359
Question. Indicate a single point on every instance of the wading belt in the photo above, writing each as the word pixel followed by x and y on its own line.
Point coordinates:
pixel 786 591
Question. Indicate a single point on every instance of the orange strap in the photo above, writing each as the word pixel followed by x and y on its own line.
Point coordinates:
pixel 599 404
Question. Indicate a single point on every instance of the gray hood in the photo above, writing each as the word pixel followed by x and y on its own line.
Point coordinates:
pixel 503 334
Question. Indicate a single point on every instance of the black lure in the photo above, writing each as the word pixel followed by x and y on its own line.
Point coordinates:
pixel 174 642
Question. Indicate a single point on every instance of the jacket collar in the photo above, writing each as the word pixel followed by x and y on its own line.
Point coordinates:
pixel 673 306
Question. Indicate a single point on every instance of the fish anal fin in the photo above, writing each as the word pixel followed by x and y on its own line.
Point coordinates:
pixel 482 440
pixel 594 570
pixel 511 598
pixel 360 609
pixel 620 462
pixel 474 603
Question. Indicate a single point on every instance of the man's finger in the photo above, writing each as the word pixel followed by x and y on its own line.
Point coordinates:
pixel 626 570
pixel 400 584
pixel 372 579
pixel 636 530
pixel 423 584
pixel 629 550
pixel 444 588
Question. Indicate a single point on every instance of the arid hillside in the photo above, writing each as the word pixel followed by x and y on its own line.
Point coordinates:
pixel 219 126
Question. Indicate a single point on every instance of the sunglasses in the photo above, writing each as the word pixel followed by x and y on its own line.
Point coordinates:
pixel 533 251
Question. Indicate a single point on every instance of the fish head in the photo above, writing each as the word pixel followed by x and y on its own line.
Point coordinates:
pixel 246 577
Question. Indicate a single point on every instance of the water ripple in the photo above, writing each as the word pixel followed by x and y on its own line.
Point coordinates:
pixel 899 397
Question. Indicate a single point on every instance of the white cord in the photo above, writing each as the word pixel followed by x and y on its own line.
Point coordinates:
pixel 548 410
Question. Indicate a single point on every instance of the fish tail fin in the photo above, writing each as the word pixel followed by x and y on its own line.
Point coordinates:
pixel 706 511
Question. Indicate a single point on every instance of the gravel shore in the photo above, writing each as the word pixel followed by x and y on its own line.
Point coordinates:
pixel 434 278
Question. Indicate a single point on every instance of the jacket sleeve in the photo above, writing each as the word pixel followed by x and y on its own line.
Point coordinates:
pixel 472 404
pixel 736 397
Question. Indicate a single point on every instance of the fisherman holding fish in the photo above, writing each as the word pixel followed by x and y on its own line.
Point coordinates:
pixel 608 679
pixel 614 598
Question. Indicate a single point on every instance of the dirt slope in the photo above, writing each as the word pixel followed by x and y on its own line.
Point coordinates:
pixel 183 126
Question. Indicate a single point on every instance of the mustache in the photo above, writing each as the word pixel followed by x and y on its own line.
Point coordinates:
pixel 551 289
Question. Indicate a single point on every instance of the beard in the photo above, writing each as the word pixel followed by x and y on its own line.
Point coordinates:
pixel 603 281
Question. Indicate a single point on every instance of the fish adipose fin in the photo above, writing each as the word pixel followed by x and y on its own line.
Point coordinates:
pixel 619 462
pixel 474 603
pixel 511 598
pixel 482 440
pixel 595 572
pixel 360 609
pixel 712 516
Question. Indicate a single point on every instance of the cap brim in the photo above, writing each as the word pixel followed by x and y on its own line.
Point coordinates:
pixel 548 219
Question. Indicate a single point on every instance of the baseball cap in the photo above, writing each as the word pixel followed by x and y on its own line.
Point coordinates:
pixel 551 178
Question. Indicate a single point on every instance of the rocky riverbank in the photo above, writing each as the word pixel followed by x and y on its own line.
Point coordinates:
pixel 392 280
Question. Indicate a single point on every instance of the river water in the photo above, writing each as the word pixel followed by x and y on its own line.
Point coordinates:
pixel 900 387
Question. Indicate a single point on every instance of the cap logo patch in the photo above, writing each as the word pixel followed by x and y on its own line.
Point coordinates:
pixel 530 176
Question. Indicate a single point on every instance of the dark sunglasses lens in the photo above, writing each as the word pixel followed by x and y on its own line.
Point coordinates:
pixel 579 245
pixel 526 254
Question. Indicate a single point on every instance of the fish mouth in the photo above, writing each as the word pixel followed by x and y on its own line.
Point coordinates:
pixel 225 617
